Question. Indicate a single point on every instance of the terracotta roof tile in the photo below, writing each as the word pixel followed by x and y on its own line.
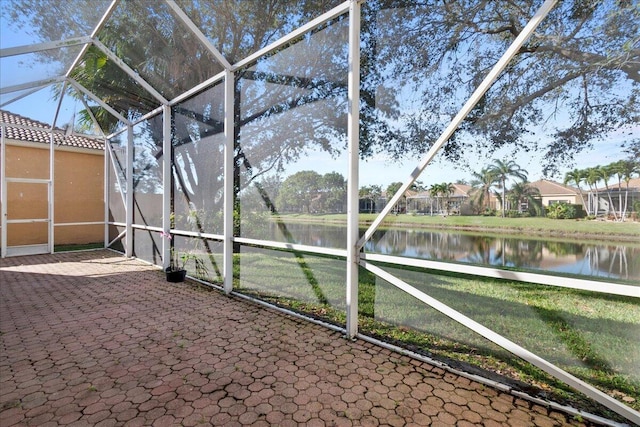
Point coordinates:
pixel 42 136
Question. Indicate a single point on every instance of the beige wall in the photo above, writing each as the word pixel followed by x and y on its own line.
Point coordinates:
pixel 79 187
pixel 78 194
pixel 27 162
pixel 573 199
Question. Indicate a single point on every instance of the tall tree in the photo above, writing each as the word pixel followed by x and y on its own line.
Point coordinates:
pixel 523 192
pixel 441 50
pixel 299 191
pixel 482 182
pixel 592 177
pixel 576 177
pixel 371 194
pixel 441 192
pixel 503 170
pixel 392 189
pixel 627 169
pixel 605 173
pixel 333 190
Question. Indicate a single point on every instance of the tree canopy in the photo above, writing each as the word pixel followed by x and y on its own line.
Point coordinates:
pixel 310 192
pixel 575 82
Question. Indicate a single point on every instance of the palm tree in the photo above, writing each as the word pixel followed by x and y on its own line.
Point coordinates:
pixel 626 169
pixel 447 189
pixel 435 191
pixel 482 182
pixel 618 172
pixel 444 189
pixel 592 176
pixel 605 173
pixel 504 169
pixel 576 176
pixel 523 191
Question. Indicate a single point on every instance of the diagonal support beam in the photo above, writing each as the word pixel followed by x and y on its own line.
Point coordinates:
pixel 184 18
pixel 103 104
pixel 39 47
pixel 507 344
pixel 31 85
pixel 94 33
pixel 24 95
pixel 130 72
pixel 309 26
pixel 527 31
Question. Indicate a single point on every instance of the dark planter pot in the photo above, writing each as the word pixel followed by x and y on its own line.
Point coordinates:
pixel 176 276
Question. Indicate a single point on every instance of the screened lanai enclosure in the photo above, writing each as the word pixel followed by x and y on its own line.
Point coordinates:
pixel 243 136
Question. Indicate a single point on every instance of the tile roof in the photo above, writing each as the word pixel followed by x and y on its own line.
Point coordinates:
pixel 547 187
pixel 634 185
pixel 27 130
pixel 459 190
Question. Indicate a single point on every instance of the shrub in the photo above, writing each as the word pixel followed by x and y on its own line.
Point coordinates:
pixel 561 211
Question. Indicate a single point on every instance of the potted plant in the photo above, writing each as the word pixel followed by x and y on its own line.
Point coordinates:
pixel 176 271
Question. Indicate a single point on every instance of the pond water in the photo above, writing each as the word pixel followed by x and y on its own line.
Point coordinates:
pixel 614 260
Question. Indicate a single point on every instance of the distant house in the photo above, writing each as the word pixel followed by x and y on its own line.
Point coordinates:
pixel 73 202
pixel 554 192
pixel 456 203
pixel 377 204
pixel 618 195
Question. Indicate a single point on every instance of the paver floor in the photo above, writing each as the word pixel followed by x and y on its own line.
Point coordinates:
pixel 92 338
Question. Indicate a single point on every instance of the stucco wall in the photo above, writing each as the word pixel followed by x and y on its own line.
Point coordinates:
pixel 78 194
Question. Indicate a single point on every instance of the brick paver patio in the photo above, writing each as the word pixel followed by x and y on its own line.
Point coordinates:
pixel 92 338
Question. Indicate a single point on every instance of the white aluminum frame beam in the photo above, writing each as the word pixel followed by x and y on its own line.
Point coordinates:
pixel 130 72
pixel 129 195
pixel 106 170
pixel 353 138
pixel 517 276
pixel 113 166
pixel 477 95
pixel 103 104
pixel 316 250
pixel 167 159
pixel 202 86
pixel 3 192
pixel 118 237
pixel 93 117
pixel 57 112
pixel 184 18
pixel 229 140
pixel 39 47
pixel 93 35
pixel 39 84
pixel 24 95
pixel 52 181
pixel 310 26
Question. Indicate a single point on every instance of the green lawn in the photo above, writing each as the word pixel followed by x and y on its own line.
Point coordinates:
pixel 544 226
pixel 593 336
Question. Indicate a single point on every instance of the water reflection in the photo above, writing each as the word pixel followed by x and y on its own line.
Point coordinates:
pixel 614 260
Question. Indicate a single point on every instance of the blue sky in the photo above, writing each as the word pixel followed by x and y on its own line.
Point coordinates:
pixel 381 171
